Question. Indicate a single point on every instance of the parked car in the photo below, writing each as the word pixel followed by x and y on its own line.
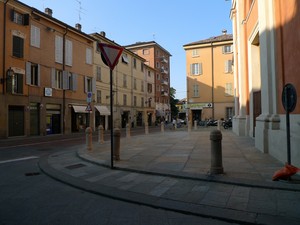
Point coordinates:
pixel 227 123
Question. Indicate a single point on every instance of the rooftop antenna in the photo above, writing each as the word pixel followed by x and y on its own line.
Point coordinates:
pixel 79 10
pixel 153 36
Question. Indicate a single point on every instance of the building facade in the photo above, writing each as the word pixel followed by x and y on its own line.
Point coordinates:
pixel 43 84
pixel 210 78
pixel 266 59
pixel 159 58
pixel 133 84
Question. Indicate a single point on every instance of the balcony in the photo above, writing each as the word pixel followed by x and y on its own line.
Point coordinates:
pixel 164 60
pixel 164 93
pixel 163 70
pixel 164 82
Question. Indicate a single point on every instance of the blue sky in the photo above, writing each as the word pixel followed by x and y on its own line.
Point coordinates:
pixel 171 23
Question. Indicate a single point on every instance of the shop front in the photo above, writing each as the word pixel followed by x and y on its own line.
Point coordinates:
pixel 80 118
pixel 102 116
pixel 53 119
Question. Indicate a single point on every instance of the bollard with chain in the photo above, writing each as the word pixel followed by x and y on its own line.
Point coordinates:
pixel 89 138
pixel 117 143
pixel 216 152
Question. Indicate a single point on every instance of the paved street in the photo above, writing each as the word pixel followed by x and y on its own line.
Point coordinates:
pixel 170 171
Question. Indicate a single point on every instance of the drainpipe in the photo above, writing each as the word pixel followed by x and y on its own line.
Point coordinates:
pixel 64 91
pixel 4 45
pixel 212 82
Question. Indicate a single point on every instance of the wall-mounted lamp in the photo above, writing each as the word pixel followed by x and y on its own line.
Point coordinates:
pixel 9 75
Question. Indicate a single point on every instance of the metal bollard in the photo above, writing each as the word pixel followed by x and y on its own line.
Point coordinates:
pixel 195 125
pixel 100 134
pixel 117 140
pixel 127 130
pixel 216 152
pixel 162 127
pixel 89 138
pixel 146 128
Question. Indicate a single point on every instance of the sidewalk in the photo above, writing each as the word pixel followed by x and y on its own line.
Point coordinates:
pixel 170 170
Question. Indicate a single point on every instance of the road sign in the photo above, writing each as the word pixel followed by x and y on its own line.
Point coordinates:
pixel 111 54
pixel 289 97
pixel 89 97
pixel 88 108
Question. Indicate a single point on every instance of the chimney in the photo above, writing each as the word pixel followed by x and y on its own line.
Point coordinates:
pixel 78 26
pixel 102 33
pixel 224 31
pixel 48 11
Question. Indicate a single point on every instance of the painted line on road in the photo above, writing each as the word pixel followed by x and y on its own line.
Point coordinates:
pixel 18 159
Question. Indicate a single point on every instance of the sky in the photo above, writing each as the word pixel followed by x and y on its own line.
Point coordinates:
pixel 170 23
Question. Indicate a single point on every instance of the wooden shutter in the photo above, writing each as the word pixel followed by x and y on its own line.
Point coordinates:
pixel 65 84
pixel 53 78
pixel 74 82
pixel 28 73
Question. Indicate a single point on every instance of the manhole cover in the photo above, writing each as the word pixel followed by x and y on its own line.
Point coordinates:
pixel 75 166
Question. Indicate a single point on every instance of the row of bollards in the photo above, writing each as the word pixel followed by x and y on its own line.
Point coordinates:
pixel 215 138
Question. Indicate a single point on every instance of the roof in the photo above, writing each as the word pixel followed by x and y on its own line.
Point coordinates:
pixel 146 44
pixel 223 37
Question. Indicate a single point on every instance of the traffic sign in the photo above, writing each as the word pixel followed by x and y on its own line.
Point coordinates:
pixel 289 97
pixel 89 97
pixel 88 108
pixel 111 54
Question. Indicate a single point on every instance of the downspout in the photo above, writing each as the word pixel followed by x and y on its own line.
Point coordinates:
pixel 212 81
pixel 4 45
pixel 64 91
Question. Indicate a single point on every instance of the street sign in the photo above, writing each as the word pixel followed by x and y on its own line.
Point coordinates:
pixel 88 108
pixel 289 97
pixel 89 97
pixel 111 54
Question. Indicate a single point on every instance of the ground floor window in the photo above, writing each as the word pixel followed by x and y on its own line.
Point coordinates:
pixel 53 119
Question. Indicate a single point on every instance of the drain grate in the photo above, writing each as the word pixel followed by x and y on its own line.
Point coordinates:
pixel 75 166
pixel 32 174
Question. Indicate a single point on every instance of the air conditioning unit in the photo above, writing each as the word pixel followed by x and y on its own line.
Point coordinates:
pixel 209 105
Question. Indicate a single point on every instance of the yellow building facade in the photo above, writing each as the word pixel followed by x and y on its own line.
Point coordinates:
pixel 210 93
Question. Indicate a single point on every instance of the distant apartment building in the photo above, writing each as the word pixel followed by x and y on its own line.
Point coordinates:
pixel 133 88
pixel 159 58
pixel 266 57
pixel 210 83
pixel 43 81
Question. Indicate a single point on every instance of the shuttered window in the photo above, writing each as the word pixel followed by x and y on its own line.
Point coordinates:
pixel 18 47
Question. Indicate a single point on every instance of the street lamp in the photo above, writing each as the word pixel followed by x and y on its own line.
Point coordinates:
pixel 9 76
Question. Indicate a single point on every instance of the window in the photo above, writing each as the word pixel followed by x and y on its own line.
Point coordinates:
pixel 146 51
pixel 196 69
pixel 98 96
pixel 228 89
pixel 124 80
pixel 142 101
pixel 157 77
pixel 228 66
pixel 134 100
pixel 196 90
pixel 124 99
pixel 149 73
pixel 229 112
pixel 18 18
pixel 134 63
pixel 99 78
pixel 35 36
pixel 134 83
pixel 88 84
pixel 227 49
pixel 195 53
pixel 125 59
pixel 56 78
pixel 18 47
pixel 142 86
pixel 58 49
pixel 149 88
pixel 142 66
pixel 32 74
pixel 17 83
pixel 157 65
pixel 69 52
pixel 71 79
pixel 88 57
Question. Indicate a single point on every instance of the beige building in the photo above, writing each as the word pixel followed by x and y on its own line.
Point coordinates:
pixel 43 84
pixel 133 85
pixel 266 57
pixel 210 81
pixel 159 58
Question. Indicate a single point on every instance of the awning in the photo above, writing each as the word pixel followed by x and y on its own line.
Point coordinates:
pixel 80 109
pixel 103 110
